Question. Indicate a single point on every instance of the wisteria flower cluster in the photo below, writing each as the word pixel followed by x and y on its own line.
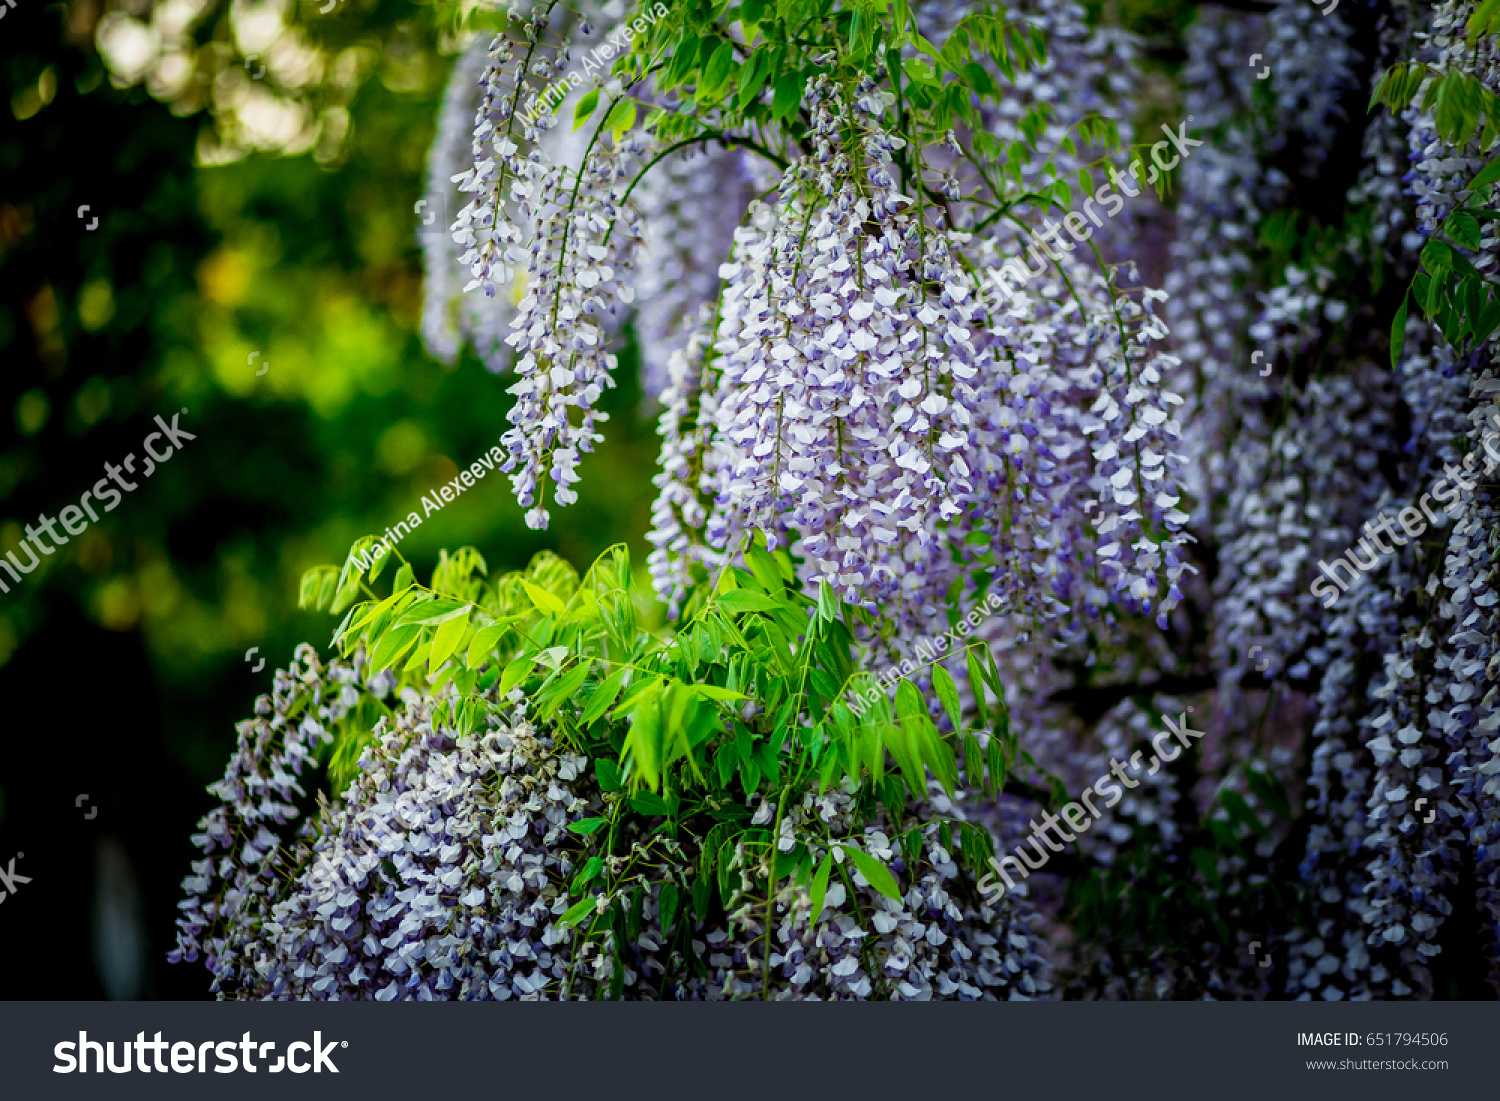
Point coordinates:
pixel 863 436
pixel 833 380
pixel 504 834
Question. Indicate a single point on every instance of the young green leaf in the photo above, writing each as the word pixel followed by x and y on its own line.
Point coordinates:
pixel 545 602
pixel 714 692
pixel 604 695
pixel 430 611
pixel 577 912
pixel 392 646
pixel 562 689
pixel 820 887
pixel 738 601
pixel 878 875
pixel 449 634
pixel 482 645
pixel 585 108
pixel 515 673
pixel 947 692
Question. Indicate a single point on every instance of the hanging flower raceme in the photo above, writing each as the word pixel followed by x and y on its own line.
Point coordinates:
pixel 844 387
pixel 578 267
pixel 1136 460
pixel 568 238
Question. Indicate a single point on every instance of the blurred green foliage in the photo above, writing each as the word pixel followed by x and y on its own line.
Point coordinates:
pixel 196 278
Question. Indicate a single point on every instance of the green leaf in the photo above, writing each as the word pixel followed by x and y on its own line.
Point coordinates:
pixel 979 79
pixel 903 747
pixel 317 588
pixel 1206 864
pixel 920 72
pixel 645 741
pixel 649 804
pixel 586 826
pixel 1485 324
pixel 994 759
pixel 392 646
pixel 577 912
pixel 753 77
pixel 751 12
pixel 380 563
pixel 405 579
pixel 820 888
pixel 515 673
pixel 604 695
pixel 609 774
pixel 1487 176
pixel 947 692
pixel 788 95
pixel 714 692
pixel 1435 287
pixel 425 613
pixel 763 565
pixel 973 761
pixel 621 117
pixel 1268 787
pixel 545 602
pixel 483 643
pixel 667 902
pixel 1240 811
pixel 738 601
pixel 901 11
pixel 1398 333
pixel 878 874
pixel 976 678
pixel 717 71
pixel 1463 227
pixel 828 603
pixel 1482 22
pixel 684 60
pixel 562 689
pixel 591 868
pixel 749 776
pixel 448 636
pixel 582 112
